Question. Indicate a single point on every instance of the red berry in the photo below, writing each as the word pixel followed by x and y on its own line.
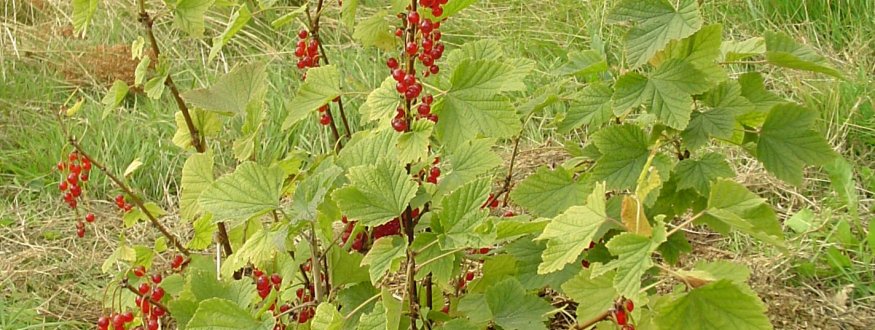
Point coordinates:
pixel 139 271
pixel 425 26
pixel 89 217
pixel 325 120
pixel 427 45
pixel 484 250
pixel 400 87
pixel 392 63
pixel 300 293
pixel 307 266
pixel 144 288
pixel 437 11
pixel 436 35
pixel 413 18
pixel 73 156
pixel 75 168
pixel 128 317
pixel 398 75
pixel 620 317
pixel 399 124
pixel 118 321
pixel 285 308
pixel 262 282
pixel 629 305
pixel 469 277
pixel 176 262
pixel 435 171
pixel 62 186
pixel 584 263
pixel 120 199
pixel 75 190
pixel 399 32
pixel 83 177
pixel 73 178
pixel 80 232
pixel 411 48
pixel 509 214
pixel 103 322
pixel 323 108
pixel 157 294
pixel 276 279
pixel 426 60
pixel 61 166
pixel 128 207
pixel 156 278
pixel 424 109
pixel 494 204
pixel 152 324
pixel 86 164
pixel 303 34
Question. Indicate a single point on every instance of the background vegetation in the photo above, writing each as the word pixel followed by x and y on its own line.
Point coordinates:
pixel 51 279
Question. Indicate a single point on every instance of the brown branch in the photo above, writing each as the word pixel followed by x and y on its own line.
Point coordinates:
pixel 138 202
pixel 197 139
pixel 314 31
pixel 509 178
pixel 588 324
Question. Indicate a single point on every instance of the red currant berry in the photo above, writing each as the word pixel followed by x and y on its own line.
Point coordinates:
pixel 61 166
pixel 75 190
pixel 152 325
pixel 446 309
pixel 325 120
pixel 139 271
pixel 426 27
pixel 469 277
pixel 433 118
pixel 398 74
pixel 629 305
pixel 434 69
pixel 89 217
pixel 73 156
pixel 62 186
pixel 436 36
pixel 413 18
pixel 144 288
pixel 400 87
pixel 276 279
pixel 437 11
pixel 435 172
pixel 423 109
pixel 399 124
pixel 157 294
pixel 103 322
pixel 303 34
pixel 392 63
pixel 411 48
pixel 176 262
pixel 584 263
pixel 83 177
pixel 73 178
pixel 399 32
pixel 156 278
pixel 620 317
pixel 75 168
pixel 426 60
pixel 86 164
pixel 80 232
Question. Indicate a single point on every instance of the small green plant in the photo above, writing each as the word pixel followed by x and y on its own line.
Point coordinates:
pixel 401 224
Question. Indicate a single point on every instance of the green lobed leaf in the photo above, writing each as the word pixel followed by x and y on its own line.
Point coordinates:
pixel 219 314
pixel 732 50
pixel 347 12
pixel 197 175
pixel 624 150
pixel 83 11
pixel 188 16
pixel 781 50
pixel 571 232
pixel 527 254
pixel 666 92
pixel 592 107
pixel 633 253
pixel 245 86
pixel 547 193
pixel 699 172
pixel 249 191
pixel 725 102
pixel 656 23
pixel 376 193
pixel 375 31
pixel 236 23
pixel 584 63
pixel 322 86
pixel 385 256
pixel 460 214
pixel 288 17
pixel 513 309
pixel 467 161
pixel 310 192
pixel 473 105
pixel 368 148
pixel 731 205
pixel 327 318
pixel 754 90
pixel 787 142
pixel 719 305
pixel 114 96
pixel 381 104
pixel 413 146
pixel 593 294
pixel 207 124
pixel 203 228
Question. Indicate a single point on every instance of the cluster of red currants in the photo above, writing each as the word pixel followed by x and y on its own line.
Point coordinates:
pixel 584 262
pixel 117 320
pixel 176 262
pixel 621 314
pixel 436 6
pixel 122 204
pixel 358 244
pixel 491 202
pixel 305 296
pixel 76 170
pixel 434 172
pixel 307 51
pixel 147 294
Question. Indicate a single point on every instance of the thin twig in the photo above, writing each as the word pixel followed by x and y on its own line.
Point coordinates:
pixel 130 288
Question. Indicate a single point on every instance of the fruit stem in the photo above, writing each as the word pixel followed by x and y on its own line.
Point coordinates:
pixel 130 288
pixel 588 324
pixel 314 32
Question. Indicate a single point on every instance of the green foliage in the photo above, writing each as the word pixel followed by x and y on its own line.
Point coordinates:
pixel 599 229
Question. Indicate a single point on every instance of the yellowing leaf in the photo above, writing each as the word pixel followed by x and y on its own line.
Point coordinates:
pixel 632 213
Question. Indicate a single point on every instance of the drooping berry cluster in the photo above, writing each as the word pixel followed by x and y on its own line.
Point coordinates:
pixel 118 321
pixel 75 173
pixel 122 204
pixel 307 51
pixel 391 228
pixel 150 290
pixel 621 312
pixel 358 244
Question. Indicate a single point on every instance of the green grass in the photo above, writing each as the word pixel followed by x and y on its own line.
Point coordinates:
pixel 31 143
